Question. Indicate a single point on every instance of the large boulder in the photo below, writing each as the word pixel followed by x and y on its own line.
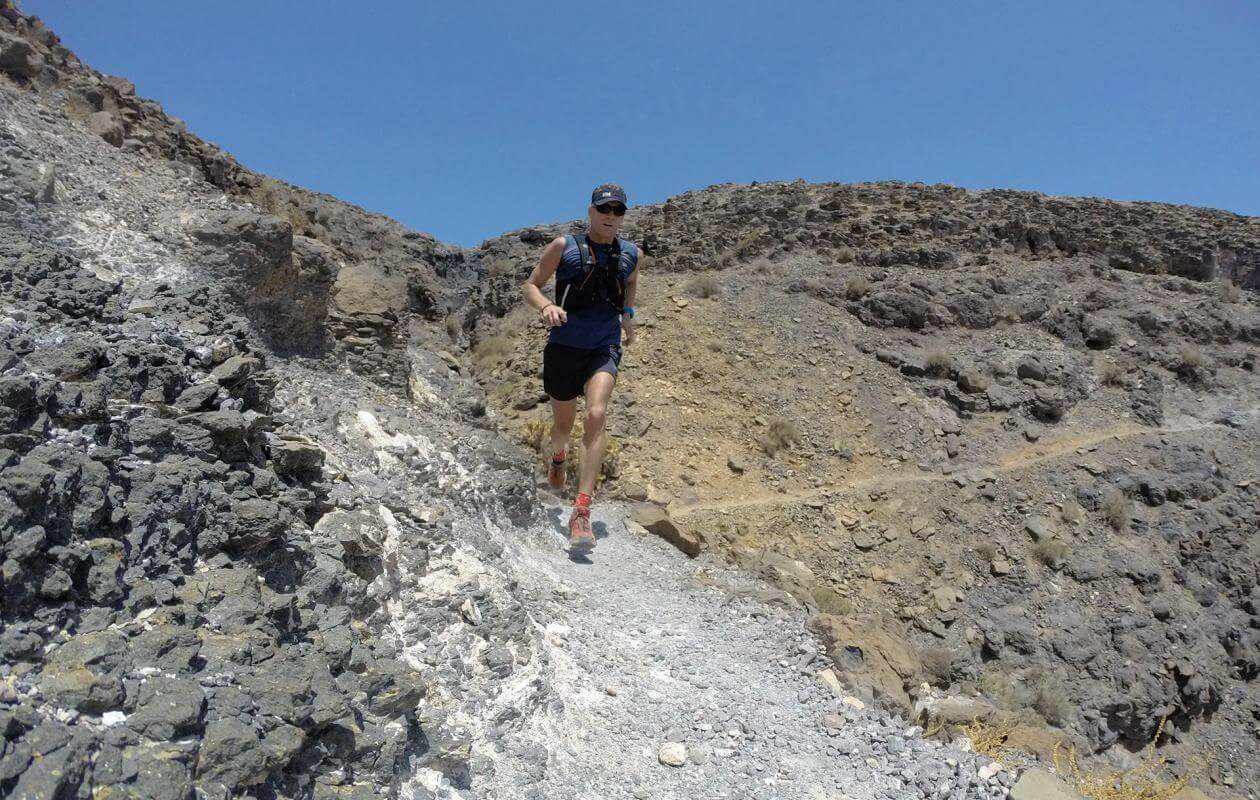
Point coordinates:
pixel 18 57
pixel 366 289
pixel 656 520
pixel 873 654
pixel 107 126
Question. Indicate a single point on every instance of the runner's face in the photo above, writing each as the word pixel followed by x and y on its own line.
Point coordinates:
pixel 604 224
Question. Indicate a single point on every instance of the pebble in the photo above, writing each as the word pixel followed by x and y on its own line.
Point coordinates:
pixel 673 754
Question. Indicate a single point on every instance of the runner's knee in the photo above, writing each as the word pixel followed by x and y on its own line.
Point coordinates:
pixel 595 417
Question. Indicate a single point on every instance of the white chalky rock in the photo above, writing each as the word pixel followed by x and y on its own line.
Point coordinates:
pixel 112 718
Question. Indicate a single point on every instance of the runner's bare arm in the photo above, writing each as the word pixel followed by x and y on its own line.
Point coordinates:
pixel 632 282
pixel 548 263
pixel 628 325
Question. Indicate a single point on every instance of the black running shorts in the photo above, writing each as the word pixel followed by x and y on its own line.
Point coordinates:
pixel 567 369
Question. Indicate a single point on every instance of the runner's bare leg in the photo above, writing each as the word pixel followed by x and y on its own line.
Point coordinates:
pixel 599 389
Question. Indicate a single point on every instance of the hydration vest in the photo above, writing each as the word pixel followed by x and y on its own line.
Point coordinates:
pixel 595 282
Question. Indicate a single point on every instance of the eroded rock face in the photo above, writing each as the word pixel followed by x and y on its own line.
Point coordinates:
pixel 159 571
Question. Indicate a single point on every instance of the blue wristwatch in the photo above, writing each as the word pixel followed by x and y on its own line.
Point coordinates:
pixel 628 311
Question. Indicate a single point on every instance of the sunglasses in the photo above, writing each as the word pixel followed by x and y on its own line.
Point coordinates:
pixel 610 208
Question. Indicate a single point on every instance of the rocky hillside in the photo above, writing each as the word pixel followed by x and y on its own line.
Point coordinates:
pixel 1002 443
pixel 261 533
pixel 206 531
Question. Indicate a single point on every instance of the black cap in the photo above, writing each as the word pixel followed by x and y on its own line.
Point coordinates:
pixel 608 193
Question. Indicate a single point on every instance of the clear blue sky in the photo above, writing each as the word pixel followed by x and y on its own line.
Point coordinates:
pixel 466 120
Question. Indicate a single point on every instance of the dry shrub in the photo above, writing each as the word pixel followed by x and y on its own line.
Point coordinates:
pixel 704 286
pixel 501 267
pixel 1230 293
pixel 272 197
pixel 814 288
pixel 453 327
pixel 1146 781
pixel 1007 314
pixel 973 380
pixel 500 394
pixel 1117 510
pixel 939 363
pixel 1192 364
pixel 845 255
pixel 740 251
pixel 856 287
pixel 1072 512
pixel 1000 688
pixel 1109 372
pixel 780 435
pixel 536 435
pixel 1050 699
pixel 771 269
pixel 1050 552
pixel 492 350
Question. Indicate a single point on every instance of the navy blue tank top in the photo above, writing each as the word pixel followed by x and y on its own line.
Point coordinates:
pixel 599 324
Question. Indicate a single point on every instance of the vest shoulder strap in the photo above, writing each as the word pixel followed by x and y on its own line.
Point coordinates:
pixel 584 250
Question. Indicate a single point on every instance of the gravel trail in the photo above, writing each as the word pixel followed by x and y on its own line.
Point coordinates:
pixel 645 648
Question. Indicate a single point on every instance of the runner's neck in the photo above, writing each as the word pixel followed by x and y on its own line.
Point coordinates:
pixel 598 240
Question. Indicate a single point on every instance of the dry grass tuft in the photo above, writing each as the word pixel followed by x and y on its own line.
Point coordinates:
pixel 742 250
pixel 999 686
pixel 780 435
pixel 1051 552
pixel 1050 699
pixel 1117 510
pixel 763 266
pixel 704 286
pixel 453 327
pixel 1192 364
pixel 989 739
pixel 1109 372
pixel 856 287
pixel 939 363
pixel 845 255
pixel 501 267
pixel 987 550
pixel 272 197
pixel 536 435
pixel 1146 781
pixel 1230 293
pixel 814 288
pixel 492 350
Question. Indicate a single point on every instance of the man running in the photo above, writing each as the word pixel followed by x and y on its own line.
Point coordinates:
pixel 596 279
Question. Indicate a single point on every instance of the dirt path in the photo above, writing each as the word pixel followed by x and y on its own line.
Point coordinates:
pixel 1018 458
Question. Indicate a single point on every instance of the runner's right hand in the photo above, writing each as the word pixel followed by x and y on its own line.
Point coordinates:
pixel 554 316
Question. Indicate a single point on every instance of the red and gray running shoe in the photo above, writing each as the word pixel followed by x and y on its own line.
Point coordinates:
pixel 581 537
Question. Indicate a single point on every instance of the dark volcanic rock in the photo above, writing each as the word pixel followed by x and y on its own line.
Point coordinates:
pixel 109 501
